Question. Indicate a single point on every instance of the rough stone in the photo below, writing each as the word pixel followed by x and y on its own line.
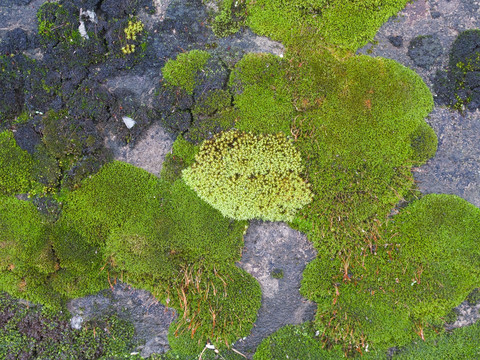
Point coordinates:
pixel 396 41
pixel 270 247
pixel 425 51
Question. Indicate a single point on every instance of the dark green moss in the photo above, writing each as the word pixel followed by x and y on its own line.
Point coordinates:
pixel 294 342
pixel 461 343
pixel 404 283
pixel 230 18
pixel 36 333
pixel 57 23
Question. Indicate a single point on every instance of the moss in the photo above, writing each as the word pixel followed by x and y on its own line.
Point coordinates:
pixel 15 166
pixel 461 343
pixel 11 92
pixel 401 286
pixel 424 143
pixel 349 24
pixel 294 342
pixel 132 31
pixel 221 317
pixel 261 94
pixel 212 114
pixel 357 146
pixel 33 332
pixel 230 18
pixel 457 87
pixel 26 256
pixel 57 23
pixel 116 193
pixel 247 176
pixel 183 70
pixel 124 222
pixel 277 274
pixel 45 169
pixel 182 156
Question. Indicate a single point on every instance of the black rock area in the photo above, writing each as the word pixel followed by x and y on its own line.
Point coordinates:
pixel 396 41
pixel 425 51
pixel 458 86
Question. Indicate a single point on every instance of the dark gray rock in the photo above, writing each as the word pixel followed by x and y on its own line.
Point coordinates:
pixel 27 138
pixel 472 79
pixel 425 51
pixel 274 247
pixel 396 41
pixel 150 318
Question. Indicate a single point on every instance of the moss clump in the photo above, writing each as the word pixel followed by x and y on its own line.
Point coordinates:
pixel 57 23
pixel 461 343
pixel 230 18
pixel 183 71
pixel 35 333
pixel 118 192
pixel 26 256
pixel 422 263
pixel 349 24
pixel 15 166
pixel 247 176
pixel 294 342
pixel 132 31
pixel 424 143
pixel 261 94
pixel 357 143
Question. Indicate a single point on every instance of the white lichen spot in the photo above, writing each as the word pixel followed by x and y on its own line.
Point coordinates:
pixel 128 121
pixel 76 322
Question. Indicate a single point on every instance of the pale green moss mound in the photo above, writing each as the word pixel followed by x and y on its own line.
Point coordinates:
pixel 248 176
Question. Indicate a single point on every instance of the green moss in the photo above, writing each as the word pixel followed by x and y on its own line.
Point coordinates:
pixel 461 343
pixel 294 342
pixel 230 18
pixel 403 284
pixel 222 316
pixel 118 192
pixel 349 24
pixel 183 71
pixel 261 94
pixel 57 24
pixel 277 274
pixel 26 256
pixel 424 143
pixel 247 176
pixel 357 146
pixel 15 166
pixel 33 332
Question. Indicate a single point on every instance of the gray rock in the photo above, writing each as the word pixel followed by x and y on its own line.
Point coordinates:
pixel 425 51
